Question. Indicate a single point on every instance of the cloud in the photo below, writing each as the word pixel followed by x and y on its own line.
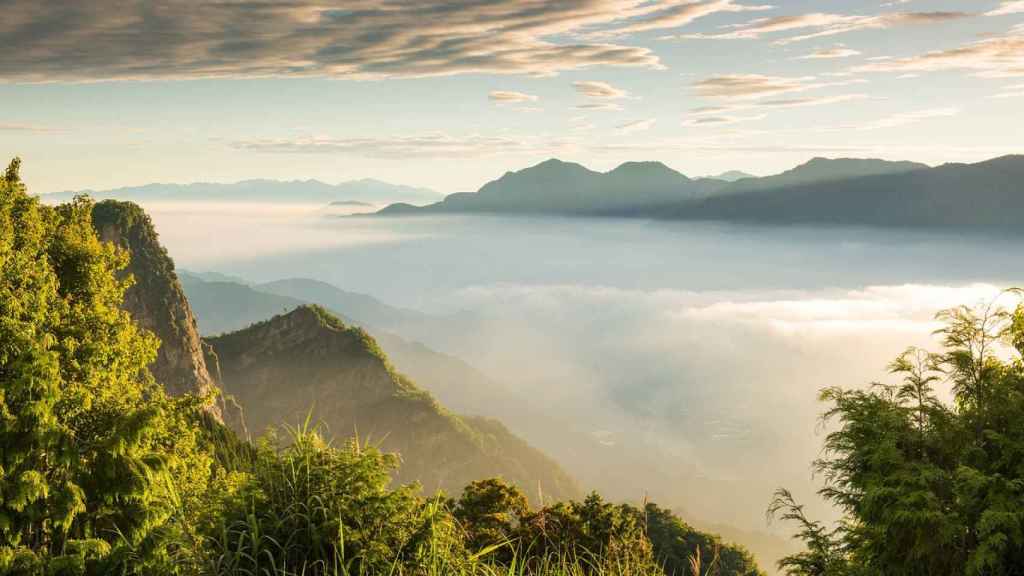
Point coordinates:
pixel 717 120
pixel 1016 91
pixel 594 89
pixel 636 126
pixel 998 57
pixel 605 106
pixel 503 96
pixel 424 145
pixel 830 53
pixel 819 25
pixel 137 39
pixel 725 114
pixel 904 118
pixel 1008 7
pixel 753 86
pixel 31 128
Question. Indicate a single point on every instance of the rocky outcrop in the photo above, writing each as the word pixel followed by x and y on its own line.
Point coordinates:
pixel 156 300
pixel 308 365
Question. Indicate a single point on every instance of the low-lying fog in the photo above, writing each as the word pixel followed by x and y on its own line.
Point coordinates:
pixel 688 356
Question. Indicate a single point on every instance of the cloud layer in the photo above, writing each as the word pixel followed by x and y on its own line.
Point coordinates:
pixel 138 39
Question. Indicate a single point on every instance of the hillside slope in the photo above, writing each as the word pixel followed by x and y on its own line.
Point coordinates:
pixel 308 363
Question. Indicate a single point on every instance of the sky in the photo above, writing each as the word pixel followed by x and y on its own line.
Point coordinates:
pixel 452 94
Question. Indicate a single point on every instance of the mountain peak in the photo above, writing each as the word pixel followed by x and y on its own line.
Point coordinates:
pixel 643 166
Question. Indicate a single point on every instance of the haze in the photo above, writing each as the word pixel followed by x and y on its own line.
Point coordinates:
pixel 692 351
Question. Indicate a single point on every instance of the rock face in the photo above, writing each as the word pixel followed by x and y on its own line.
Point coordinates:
pixel 308 364
pixel 156 300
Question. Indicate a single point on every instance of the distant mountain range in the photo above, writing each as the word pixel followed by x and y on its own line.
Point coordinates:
pixel 988 194
pixel 557 187
pixel 824 191
pixel 365 191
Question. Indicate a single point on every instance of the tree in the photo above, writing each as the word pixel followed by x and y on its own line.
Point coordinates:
pixel 927 488
pixel 490 512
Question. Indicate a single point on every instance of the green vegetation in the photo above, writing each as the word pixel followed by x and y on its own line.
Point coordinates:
pixel 101 472
pixel 926 486
pixel 95 460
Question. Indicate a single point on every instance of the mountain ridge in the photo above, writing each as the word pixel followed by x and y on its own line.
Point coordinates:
pixel 260 190
pixel 307 363
pixel 838 191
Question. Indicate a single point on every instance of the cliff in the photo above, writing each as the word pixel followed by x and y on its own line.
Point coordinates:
pixel 156 300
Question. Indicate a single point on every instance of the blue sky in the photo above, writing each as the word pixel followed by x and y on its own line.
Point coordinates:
pixel 452 94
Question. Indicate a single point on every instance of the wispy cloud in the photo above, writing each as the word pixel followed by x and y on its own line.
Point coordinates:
pixel 636 126
pixel 676 14
pixel 904 118
pixel 1015 91
pixel 998 57
pixel 601 90
pixel 1008 7
pixel 819 25
pixel 511 96
pixel 420 145
pixel 831 53
pixel 727 114
pixel 600 106
pixel 754 86
pixel 718 119
pixel 30 128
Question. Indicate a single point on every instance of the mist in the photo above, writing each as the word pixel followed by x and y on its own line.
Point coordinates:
pixel 675 361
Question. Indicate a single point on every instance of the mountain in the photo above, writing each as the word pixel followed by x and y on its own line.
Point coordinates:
pixel 557 187
pixel 308 363
pixel 632 189
pixel 156 300
pixel 843 191
pixel 221 307
pixel 732 176
pixel 823 170
pixel 363 309
pixel 986 194
pixel 305 358
pixel 262 191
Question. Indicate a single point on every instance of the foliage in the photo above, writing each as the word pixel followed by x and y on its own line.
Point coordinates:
pixel 89 441
pixel 927 487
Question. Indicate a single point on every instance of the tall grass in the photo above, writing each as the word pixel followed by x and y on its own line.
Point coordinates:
pixel 307 509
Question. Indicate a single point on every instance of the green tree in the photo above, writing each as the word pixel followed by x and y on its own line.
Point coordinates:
pixel 86 449
pixel 927 488
pixel 675 544
pixel 490 512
